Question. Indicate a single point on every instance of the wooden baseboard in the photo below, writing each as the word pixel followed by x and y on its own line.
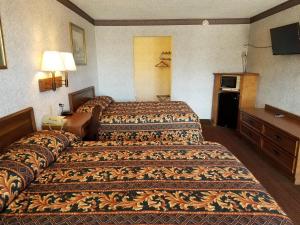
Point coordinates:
pixel 206 122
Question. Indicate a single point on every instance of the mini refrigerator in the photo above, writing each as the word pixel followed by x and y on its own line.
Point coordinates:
pixel 228 109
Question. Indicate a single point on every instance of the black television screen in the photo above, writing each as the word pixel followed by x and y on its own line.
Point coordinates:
pixel 228 81
pixel 286 39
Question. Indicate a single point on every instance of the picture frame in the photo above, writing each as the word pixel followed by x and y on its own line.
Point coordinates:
pixel 78 44
pixel 3 62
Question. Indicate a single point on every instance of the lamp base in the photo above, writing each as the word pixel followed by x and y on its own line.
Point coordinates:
pixel 53 81
pixel 46 84
pixel 66 79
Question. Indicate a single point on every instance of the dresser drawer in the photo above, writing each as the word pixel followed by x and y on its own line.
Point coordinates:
pixel 282 139
pixel 252 122
pixel 278 155
pixel 250 134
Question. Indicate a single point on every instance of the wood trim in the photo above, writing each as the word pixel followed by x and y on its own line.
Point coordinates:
pixel 238 73
pixel 168 22
pixel 78 98
pixel 165 22
pixel 77 10
pixel 16 126
pixel 3 45
pixel 215 101
pixel 205 122
pixel 274 10
pixel 280 111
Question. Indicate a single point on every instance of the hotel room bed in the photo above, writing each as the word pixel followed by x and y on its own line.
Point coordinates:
pixel 168 122
pixel 107 184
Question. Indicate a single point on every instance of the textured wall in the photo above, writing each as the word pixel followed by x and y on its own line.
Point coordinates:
pixel 198 52
pixel 150 80
pixel 279 75
pixel 30 27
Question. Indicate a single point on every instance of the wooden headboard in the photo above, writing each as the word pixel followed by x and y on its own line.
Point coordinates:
pixel 78 98
pixel 16 126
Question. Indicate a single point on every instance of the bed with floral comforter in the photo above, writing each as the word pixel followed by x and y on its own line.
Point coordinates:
pixel 168 122
pixel 94 183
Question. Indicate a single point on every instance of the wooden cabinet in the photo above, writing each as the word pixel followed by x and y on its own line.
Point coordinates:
pixel 248 86
pixel 277 138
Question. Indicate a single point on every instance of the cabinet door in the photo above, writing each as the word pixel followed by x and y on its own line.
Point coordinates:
pixel 248 91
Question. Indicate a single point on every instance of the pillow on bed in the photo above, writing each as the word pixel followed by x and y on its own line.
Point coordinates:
pixel 54 141
pixel 100 101
pixel 14 177
pixel 86 108
pixel 24 160
pixel 33 156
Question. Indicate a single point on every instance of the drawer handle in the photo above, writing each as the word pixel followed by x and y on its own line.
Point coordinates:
pixel 275 152
pixel 277 137
pixel 249 121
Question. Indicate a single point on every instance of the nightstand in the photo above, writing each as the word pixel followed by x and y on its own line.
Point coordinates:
pixel 77 124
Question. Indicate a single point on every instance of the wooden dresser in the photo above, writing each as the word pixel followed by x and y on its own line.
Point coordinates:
pixel 276 138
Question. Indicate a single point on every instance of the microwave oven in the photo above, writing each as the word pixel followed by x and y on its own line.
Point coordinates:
pixel 230 83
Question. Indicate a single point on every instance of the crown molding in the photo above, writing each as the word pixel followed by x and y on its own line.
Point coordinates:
pixel 167 22
pixel 77 10
pixel 275 10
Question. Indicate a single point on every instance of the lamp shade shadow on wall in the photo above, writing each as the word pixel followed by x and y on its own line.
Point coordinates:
pixel 151 80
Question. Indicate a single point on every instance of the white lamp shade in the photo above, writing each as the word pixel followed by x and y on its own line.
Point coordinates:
pixel 52 61
pixel 69 61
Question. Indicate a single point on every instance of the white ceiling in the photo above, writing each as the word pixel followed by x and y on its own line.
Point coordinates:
pixel 174 9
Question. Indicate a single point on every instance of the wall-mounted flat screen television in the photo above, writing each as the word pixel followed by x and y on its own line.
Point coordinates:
pixel 286 39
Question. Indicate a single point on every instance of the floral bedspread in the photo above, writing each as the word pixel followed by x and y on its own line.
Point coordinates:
pixel 192 184
pixel 168 122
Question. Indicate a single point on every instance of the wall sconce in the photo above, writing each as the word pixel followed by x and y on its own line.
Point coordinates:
pixel 69 64
pixel 51 62
pixel 54 61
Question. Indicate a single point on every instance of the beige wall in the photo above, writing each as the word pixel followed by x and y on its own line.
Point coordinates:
pixel 197 52
pixel 279 75
pixel 29 28
pixel 150 80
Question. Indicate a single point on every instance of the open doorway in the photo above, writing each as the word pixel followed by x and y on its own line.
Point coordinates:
pixel 152 68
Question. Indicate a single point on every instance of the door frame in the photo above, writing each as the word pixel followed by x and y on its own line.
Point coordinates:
pixel 133 61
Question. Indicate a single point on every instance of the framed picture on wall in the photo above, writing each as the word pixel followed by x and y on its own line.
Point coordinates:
pixel 3 63
pixel 78 44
